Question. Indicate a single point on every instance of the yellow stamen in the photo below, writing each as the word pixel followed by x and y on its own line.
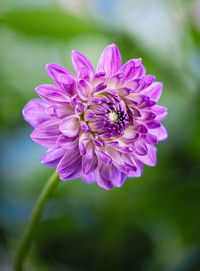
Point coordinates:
pixel 113 117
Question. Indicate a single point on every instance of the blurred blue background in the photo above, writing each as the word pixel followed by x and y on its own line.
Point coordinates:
pixel 151 223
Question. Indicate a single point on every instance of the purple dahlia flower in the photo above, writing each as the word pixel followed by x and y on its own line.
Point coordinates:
pixel 101 126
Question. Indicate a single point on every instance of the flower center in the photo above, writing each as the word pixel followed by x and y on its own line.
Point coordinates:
pixel 110 119
pixel 113 116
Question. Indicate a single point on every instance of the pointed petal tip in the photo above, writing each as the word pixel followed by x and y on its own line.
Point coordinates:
pixel 34 112
pixel 113 45
pixel 82 65
pixel 73 52
pixel 49 66
pixel 110 60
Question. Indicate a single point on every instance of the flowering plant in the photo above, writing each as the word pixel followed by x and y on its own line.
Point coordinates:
pixel 101 126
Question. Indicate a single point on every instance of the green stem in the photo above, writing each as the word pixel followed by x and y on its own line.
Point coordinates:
pixel 45 194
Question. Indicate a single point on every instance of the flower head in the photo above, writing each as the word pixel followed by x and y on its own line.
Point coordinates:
pixel 101 126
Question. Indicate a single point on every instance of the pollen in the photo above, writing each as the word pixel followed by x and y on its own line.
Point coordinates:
pixel 113 116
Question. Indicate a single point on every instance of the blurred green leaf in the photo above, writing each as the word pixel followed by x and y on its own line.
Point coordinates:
pixel 52 23
pixel 195 33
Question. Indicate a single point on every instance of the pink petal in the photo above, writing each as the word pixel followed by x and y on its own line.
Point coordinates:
pixel 47 133
pixel 68 143
pixel 153 124
pixel 99 79
pixel 82 66
pixel 104 181
pixel 138 62
pixel 146 115
pixel 89 165
pixel 133 85
pixel 124 91
pixel 141 128
pixel 90 150
pixel 115 80
pixel 68 83
pixel 140 148
pixel 52 157
pixel 109 176
pixel 89 178
pixel 139 169
pixel 150 159
pixel 70 165
pixel 55 70
pixel 160 111
pixel 148 79
pixel 70 157
pixel 34 112
pixel 79 107
pixel 117 159
pixel 154 91
pixel 129 70
pixel 106 159
pixel 151 139
pixel 141 83
pixel 133 69
pixel 52 93
pixel 97 142
pixel 118 177
pixel 73 174
pixel 89 114
pixel 140 70
pixel 160 133
pixel 82 145
pixel 110 61
pixel 84 89
pixel 59 110
pixel 130 134
pixel 70 126
pixel 100 87
pixel 84 127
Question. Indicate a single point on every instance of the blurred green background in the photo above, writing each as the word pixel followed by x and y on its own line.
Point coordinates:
pixel 151 223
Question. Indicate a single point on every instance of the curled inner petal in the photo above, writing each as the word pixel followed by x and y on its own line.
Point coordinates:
pixel 70 126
